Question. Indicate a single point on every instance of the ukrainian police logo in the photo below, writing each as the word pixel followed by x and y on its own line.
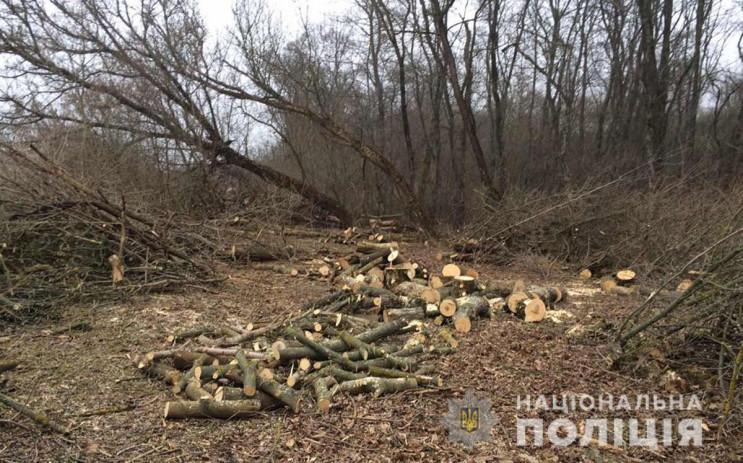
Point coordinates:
pixel 469 420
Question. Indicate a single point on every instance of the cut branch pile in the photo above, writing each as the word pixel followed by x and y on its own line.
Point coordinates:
pixel 699 326
pixel 64 242
pixel 368 336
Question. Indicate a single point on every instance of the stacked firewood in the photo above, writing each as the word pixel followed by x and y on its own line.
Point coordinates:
pixel 372 334
pixel 381 278
pixel 248 372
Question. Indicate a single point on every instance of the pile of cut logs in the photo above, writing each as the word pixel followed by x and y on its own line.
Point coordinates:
pixel 370 335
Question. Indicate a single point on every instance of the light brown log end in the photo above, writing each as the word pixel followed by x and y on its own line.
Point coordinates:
pixel 626 275
pixel 451 271
pixel 534 311
pixel 448 307
pixel 514 300
pixel 463 324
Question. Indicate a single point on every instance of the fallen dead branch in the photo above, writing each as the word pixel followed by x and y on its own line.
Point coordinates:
pixel 37 416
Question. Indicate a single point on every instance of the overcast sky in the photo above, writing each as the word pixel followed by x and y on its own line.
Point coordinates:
pixel 218 14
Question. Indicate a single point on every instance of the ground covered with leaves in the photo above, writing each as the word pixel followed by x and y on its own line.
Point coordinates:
pixel 86 376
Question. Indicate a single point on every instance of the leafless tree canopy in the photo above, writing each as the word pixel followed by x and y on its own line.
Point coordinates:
pixel 413 106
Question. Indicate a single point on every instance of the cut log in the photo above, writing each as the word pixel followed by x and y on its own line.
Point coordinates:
pixel 324 271
pixel 342 375
pixel 448 307
pixel 253 252
pixel 210 372
pixel 585 274
pixel 470 272
pixel 377 386
pixel 422 380
pixel 607 284
pixel 207 408
pixel 435 282
pixel 324 301
pixel 462 320
pixel 550 295
pixel 320 349
pixel 194 391
pixel 295 379
pixel 476 305
pixel 244 337
pixel 369 247
pixel 375 274
pixel 465 284
pixel 370 265
pixel 531 310
pixel 322 394
pixel 497 304
pixel 467 308
pixel 378 258
pixel 514 300
pixel 280 392
pixel 420 349
pixel 184 379
pixel 432 311
pixel 451 271
pixel 305 364
pixel 248 369
pixel 209 351
pixel 626 276
pixel 415 290
pixel 407 313
pixel 498 288
pixel 163 372
pixel 623 290
pixel 399 273
pixel 235 393
pixel 366 350
pixel 277 346
pixel 372 335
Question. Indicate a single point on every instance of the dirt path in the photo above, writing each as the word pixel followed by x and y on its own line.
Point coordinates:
pixel 73 375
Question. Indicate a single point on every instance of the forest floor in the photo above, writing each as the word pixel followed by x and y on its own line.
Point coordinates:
pixel 73 375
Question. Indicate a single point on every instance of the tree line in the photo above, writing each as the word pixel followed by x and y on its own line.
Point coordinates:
pixel 420 106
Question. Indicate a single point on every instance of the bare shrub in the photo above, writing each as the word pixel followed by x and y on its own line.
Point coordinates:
pixel 606 225
pixel 64 242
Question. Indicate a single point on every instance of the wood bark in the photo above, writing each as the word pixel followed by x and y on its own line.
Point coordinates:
pixel 372 335
pixel 449 66
pixel 322 394
pixel 194 391
pixel 248 369
pixel 377 386
pixel 207 408
pixel 37 416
